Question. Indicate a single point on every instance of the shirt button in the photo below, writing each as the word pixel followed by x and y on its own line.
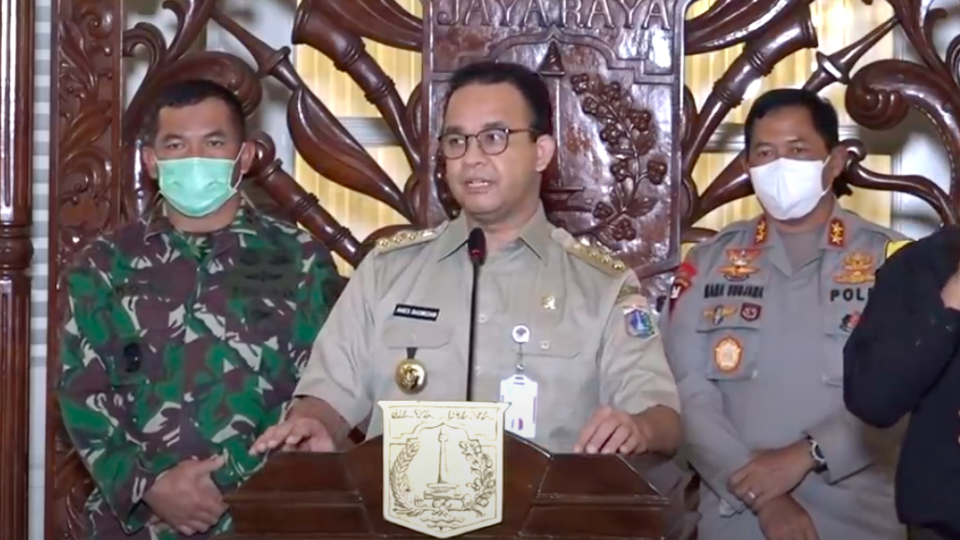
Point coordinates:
pixel 482 318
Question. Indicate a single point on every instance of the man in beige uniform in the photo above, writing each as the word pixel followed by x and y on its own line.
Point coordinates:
pixel 757 324
pixel 558 315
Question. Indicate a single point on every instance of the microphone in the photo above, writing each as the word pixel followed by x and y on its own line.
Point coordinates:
pixel 477 249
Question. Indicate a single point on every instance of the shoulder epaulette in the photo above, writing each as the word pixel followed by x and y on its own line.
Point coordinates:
pixel 757 226
pixel 404 239
pixel 596 256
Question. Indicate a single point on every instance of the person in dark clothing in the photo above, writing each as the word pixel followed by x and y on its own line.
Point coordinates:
pixel 899 361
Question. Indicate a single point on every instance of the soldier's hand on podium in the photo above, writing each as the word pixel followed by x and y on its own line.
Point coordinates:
pixel 610 431
pixel 297 433
pixel 185 497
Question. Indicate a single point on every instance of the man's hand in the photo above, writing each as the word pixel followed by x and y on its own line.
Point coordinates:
pixel 185 497
pixel 784 519
pixel 772 474
pixel 298 433
pixel 610 431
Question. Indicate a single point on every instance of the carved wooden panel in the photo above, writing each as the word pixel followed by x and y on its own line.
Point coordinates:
pixel 630 134
pixel 614 70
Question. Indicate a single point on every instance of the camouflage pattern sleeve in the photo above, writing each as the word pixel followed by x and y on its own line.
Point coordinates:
pixel 98 427
pixel 318 293
pixel 319 289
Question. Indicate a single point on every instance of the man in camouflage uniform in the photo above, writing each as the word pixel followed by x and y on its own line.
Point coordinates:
pixel 755 333
pixel 184 333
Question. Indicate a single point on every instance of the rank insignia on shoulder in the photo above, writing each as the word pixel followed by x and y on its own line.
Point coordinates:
pixel 405 238
pixel 894 246
pixel 750 312
pixel 717 314
pixel 596 255
pixel 639 322
pixel 727 354
pixel 837 235
pixel 741 264
pixel 760 232
pixel 857 268
pixel 849 321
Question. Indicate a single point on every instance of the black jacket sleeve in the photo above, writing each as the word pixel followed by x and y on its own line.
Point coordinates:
pixel 903 342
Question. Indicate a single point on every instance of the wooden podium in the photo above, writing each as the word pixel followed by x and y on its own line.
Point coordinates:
pixel 339 495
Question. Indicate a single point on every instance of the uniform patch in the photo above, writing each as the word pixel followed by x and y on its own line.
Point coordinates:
pixel 837 236
pixel 750 312
pixel 727 354
pixel 682 280
pixel 639 322
pixel 718 313
pixel 416 312
pixel 849 321
pixel 894 246
pixel 857 268
pixel 741 264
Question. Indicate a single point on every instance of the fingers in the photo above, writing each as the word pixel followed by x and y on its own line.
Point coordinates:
pixel 208 466
pixel 272 438
pixel 319 443
pixel 738 477
pixel 617 440
pixel 596 432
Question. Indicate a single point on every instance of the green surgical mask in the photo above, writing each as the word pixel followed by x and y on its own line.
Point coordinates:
pixel 197 187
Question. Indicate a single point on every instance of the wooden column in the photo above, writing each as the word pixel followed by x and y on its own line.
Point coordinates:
pixel 16 162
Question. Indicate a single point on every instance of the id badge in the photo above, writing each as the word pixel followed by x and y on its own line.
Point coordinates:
pixel 521 417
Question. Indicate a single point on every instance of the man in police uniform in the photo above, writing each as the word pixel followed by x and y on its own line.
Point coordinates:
pixel 758 318
pixel 559 324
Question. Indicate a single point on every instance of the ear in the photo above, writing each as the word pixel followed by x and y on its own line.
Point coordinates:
pixel 546 149
pixel 836 162
pixel 248 151
pixel 149 157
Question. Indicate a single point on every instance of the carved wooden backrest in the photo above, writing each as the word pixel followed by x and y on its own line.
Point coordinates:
pixel 630 134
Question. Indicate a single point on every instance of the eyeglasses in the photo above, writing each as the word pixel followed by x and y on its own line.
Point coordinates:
pixel 492 142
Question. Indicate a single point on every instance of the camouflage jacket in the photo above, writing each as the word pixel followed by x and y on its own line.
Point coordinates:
pixel 177 346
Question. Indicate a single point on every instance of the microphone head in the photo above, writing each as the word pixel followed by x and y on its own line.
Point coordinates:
pixel 477 246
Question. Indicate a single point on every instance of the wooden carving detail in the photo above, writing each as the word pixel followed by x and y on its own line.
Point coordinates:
pixel 630 135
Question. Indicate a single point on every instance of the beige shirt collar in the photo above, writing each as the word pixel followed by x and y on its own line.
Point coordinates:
pixel 535 235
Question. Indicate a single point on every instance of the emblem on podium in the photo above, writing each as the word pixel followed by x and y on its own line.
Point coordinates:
pixel 443 465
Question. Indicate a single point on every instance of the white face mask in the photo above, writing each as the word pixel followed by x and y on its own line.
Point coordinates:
pixel 789 188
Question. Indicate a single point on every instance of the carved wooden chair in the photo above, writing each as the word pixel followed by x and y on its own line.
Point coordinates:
pixel 630 133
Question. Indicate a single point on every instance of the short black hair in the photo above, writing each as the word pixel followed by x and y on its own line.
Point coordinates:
pixel 191 92
pixel 528 83
pixel 822 114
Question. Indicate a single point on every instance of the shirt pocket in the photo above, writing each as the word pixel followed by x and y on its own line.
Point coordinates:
pixel 429 344
pixel 552 358
pixel 835 335
pixel 731 337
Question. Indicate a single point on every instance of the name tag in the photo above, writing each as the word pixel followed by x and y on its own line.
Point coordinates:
pixel 416 312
